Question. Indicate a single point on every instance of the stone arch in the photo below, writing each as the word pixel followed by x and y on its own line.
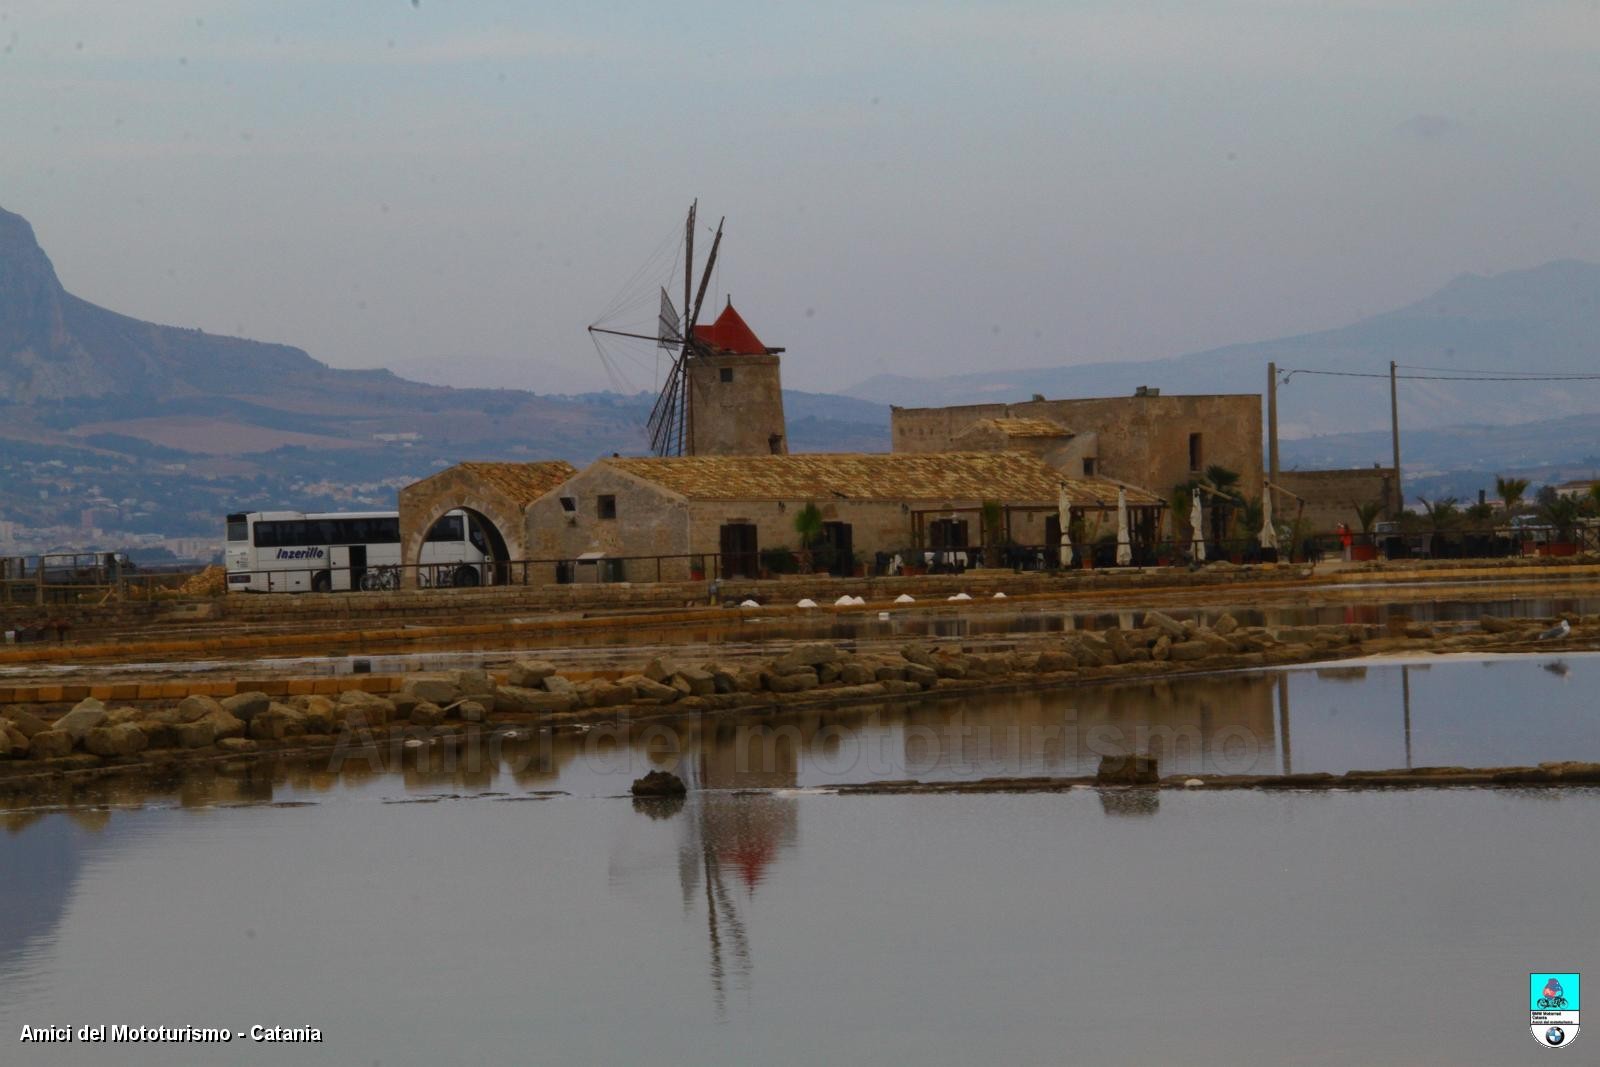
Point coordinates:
pixel 497 493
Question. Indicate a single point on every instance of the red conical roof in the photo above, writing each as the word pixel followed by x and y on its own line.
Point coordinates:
pixel 731 334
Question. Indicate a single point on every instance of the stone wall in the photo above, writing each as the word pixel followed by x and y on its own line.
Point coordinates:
pixel 1141 440
pixel 1331 496
pixel 740 416
pixel 647 520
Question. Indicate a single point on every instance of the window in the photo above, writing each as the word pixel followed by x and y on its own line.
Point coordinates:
pixel 238 528
pixel 446 529
pixel 475 535
pixel 569 504
pixel 727 374
pixel 1196 457
pixel 1088 466
pixel 607 507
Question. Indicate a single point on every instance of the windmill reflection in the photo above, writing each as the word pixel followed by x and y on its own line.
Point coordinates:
pixel 731 838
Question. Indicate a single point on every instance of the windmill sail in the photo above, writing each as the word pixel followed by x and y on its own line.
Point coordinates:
pixel 671 414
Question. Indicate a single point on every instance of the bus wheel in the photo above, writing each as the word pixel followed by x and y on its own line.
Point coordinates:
pixel 465 576
pixel 322 582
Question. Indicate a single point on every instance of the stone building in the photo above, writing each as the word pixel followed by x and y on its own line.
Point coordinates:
pixel 495 494
pixel 1147 439
pixel 1331 496
pixel 622 518
pixel 735 392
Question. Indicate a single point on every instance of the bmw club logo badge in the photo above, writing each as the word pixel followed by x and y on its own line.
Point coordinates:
pixel 1553 1007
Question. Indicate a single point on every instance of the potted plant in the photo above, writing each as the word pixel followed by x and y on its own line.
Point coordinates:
pixel 1365 550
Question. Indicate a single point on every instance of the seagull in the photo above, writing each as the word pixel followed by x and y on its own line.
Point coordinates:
pixel 1556 632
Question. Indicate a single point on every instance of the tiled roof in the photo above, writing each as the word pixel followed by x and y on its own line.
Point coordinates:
pixel 1009 477
pixel 731 334
pixel 521 482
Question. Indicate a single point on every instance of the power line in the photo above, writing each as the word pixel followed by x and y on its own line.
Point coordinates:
pixel 1457 377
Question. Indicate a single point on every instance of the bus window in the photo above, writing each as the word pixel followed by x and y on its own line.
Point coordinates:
pixel 448 528
pixel 238 528
pixel 475 533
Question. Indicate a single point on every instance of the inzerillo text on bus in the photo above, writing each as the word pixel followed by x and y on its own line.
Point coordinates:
pixel 299 552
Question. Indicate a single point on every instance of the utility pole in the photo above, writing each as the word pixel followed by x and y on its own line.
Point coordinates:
pixel 1394 428
pixel 1272 429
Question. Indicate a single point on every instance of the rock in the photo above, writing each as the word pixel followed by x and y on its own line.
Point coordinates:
pixel 473 682
pixel 853 673
pixel 426 714
pixel 50 744
pixel 321 714
pixel 602 694
pixel 85 716
pixel 659 784
pixel 661 669
pixel 1187 651
pixel 118 716
pixel 1494 625
pixel 278 722
pixel 926 677
pixel 358 707
pixel 1225 624
pixel 403 704
pixel 528 673
pixel 1091 649
pixel 1162 649
pixel 13 745
pixel 699 683
pixel 956 666
pixel 827 673
pixel 26 722
pixel 793 682
pixel 725 680
pixel 195 708
pixel 650 691
pixel 1127 770
pixel 122 740
pixel 246 706
pixel 1166 624
pixel 922 654
pixel 554 683
pixel 886 672
pixel 472 711
pixel 158 733
pixel 1118 643
pixel 197 734
pixel 514 699
pixel 224 724
pixel 434 688
pixel 808 654
pixel 237 744
pixel 1053 661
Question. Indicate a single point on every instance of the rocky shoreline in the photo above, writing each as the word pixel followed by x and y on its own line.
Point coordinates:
pixel 42 746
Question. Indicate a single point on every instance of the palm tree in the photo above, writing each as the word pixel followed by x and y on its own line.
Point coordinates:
pixel 1563 513
pixel 1225 497
pixel 808 524
pixel 1442 512
pixel 1367 514
pixel 1510 491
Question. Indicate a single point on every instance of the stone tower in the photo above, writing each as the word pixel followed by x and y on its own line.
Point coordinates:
pixel 735 393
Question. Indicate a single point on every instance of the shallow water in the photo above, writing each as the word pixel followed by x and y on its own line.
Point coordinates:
pixel 517 909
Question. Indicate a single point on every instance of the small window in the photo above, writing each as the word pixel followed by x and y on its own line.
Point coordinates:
pixel 727 374
pixel 1196 456
pixel 238 528
pixel 569 503
pixel 607 507
pixel 1088 466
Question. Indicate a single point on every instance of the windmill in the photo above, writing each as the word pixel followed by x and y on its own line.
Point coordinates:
pixel 671 419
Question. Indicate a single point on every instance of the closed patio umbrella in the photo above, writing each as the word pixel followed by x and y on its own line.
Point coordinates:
pixel 1124 546
pixel 1269 532
pixel 1064 515
pixel 1197 523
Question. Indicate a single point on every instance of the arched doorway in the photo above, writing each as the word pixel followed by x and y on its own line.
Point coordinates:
pixel 463 548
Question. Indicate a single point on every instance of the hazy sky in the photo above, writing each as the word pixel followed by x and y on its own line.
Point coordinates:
pixel 455 190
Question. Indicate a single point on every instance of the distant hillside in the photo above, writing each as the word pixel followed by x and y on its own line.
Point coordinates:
pixel 1546 318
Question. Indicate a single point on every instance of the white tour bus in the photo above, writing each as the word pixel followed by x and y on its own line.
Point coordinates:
pixel 295 552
